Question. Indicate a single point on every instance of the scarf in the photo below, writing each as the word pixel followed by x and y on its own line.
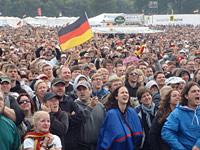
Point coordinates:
pixel 148 112
pixel 37 138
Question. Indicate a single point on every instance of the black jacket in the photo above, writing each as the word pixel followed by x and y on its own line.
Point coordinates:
pixel 18 89
pixel 132 91
pixel 157 143
pixel 75 122
pixel 142 115
pixel 18 111
pixel 59 124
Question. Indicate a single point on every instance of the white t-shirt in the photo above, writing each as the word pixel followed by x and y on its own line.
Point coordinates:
pixel 29 142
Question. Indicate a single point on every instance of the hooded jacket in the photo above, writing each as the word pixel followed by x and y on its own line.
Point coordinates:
pixel 77 80
pixel 94 119
pixel 181 71
pixel 182 130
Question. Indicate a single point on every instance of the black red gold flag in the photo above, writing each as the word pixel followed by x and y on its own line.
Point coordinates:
pixel 75 33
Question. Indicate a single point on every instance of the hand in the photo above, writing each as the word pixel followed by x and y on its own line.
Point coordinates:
pixel 73 113
pixel 43 44
pixel 195 148
pixel 45 108
pixel 50 139
pixel 42 57
pixel 57 46
pixel 45 141
pixel 93 102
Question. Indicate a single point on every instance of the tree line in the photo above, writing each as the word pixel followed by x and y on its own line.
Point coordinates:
pixel 52 8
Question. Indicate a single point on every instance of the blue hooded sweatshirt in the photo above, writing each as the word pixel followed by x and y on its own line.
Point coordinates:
pixel 182 129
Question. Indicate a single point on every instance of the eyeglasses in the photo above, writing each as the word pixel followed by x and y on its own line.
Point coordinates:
pixel 26 100
pixel 133 73
pixel 97 79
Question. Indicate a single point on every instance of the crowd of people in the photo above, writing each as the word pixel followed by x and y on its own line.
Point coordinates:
pixel 108 93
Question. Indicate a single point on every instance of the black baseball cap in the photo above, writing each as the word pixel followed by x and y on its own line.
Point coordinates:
pixel 49 95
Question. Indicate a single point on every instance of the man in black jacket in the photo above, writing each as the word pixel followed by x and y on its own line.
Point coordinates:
pixel 76 118
pixel 131 82
pixel 59 119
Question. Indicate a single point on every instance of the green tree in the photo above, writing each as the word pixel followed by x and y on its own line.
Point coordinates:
pixel 104 6
pixel 125 6
pixel 5 7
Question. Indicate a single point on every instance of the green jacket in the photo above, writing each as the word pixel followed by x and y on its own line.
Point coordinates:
pixel 9 139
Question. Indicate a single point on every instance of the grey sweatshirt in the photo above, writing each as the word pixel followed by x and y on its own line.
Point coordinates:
pixel 94 119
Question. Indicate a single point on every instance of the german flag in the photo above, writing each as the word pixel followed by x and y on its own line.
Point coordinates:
pixel 19 23
pixel 75 33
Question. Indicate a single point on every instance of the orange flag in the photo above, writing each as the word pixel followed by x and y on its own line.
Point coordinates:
pixel 39 12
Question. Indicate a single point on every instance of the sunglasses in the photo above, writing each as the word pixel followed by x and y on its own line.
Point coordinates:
pixel 26 100
pixel 34 73
pixel 133 73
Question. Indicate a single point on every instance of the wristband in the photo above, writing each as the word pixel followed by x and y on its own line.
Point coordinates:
pixel 45 147
pixel 50 146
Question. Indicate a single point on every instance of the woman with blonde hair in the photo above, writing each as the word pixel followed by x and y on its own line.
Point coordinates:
pixel 40 89
pixel 141 77
pixel 167 105
pixel 40 138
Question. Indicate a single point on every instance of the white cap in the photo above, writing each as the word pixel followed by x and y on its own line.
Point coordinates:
pixel 186 46
pixel 106 47
pixel 151 83
pixel 119 48
pixel 182 51
pixel 12 47
pixel 174 80
pixel 63 55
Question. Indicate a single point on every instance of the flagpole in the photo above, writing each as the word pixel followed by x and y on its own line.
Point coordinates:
pixel 89 24
pixel 86 15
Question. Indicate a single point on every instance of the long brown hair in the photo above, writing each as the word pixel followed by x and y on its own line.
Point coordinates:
pixel 195 73
pixel 112 103
pixel 165 109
